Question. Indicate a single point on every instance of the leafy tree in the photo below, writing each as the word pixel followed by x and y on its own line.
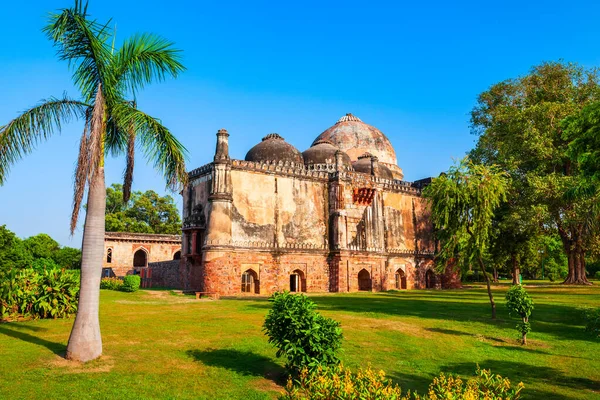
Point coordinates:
pixel 13 253
pixel 108 79
pixel 145 212
pixel 67 257
pixel 519 126
pixel 463 202
pixel 41 246
pixel 302 335
pixel 520 303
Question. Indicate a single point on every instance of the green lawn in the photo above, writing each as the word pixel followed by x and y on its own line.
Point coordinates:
pixel 159 345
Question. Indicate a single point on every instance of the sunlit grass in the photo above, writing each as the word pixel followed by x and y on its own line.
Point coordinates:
pixel 157 345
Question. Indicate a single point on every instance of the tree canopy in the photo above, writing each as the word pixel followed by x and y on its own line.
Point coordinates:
pixel 520 127
pixel 145 212
pixel 463 203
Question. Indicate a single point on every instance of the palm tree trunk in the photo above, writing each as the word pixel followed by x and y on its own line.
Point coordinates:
pixel 85 342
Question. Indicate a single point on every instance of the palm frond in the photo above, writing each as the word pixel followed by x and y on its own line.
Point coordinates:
pixel 21 135
pixel 82 42
pixel 82 172
pixel 144 58
pixel 160 146
pixel 97 132
pixel 128 176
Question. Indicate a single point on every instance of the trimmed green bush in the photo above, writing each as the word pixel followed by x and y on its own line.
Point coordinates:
pixel 30 293
pixel 337 382
pixel 520 304
pixel 300 334
pixel 131 283
pixel 111 283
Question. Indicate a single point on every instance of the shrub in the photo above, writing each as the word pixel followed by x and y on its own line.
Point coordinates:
pixel 519 303
pixel 592 321
pixel 43 263
pixel 303 336
pixel 597 276
pixel 131 283
pixel 111 283
pixel 30 293
pixel 338 382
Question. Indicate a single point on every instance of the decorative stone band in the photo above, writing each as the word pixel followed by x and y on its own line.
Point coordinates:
pixel 267 245
pixel 313 172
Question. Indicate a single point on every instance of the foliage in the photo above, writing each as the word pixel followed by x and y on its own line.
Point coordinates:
pixel 131 283
pixel 592 321
pixel 520 303
pixel 463 202
pixel 44 263
pixel 597 275
pixel 31 293
pixel 338 382
pixel 302 335
pixel 68 257
pixel 13 253
pixel 111 283
pixel 145 212
pixel 518 122
pixel 41 246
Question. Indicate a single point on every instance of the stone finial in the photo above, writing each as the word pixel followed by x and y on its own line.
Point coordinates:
pixel 339 160
pixel 222 151
pixel 349 117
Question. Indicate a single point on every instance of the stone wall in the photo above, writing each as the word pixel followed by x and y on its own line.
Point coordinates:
pixel 165 274
pixel 123 246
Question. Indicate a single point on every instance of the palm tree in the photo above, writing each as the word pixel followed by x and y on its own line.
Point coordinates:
pixel 108 80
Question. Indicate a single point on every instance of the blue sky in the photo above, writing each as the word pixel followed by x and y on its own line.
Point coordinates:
pixel 412 69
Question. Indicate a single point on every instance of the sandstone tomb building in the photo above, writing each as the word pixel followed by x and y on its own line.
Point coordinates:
pixel 336 218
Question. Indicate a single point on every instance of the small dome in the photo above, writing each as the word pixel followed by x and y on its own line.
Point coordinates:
pixel 363 165
pixel 274 148
pixel 323 152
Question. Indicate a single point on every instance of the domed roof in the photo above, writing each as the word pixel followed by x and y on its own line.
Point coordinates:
pixel 364 165
pixel 355 137
pixel 323 152
pixel 274 148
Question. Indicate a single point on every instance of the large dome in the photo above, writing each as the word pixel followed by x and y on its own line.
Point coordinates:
pixel 274 148
pixel 355 138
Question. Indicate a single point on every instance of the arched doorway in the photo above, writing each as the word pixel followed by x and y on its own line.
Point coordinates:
pixel 250 283
pixel 177 255
pixel 297 281
pixel 429 279
pixel 364 280
pixel 400 279
pixel 140 259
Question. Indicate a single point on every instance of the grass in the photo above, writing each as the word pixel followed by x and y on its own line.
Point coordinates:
pixel 159 345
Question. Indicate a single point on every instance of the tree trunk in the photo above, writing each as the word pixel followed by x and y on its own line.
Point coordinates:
pixel 576 255
pixel 495 275
pixel 85 342
pixel 525 320
pixel 489 289
pixel 516 271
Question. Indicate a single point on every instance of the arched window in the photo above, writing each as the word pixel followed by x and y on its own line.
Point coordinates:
pixel 400 279
pixel 429 279
pixel 364 280
pixel 177 255
pixel 297 281
pixel 109 255
pixel 250 283
pixel 140 259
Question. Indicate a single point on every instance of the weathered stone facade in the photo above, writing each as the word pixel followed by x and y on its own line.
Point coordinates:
pixel 322 220
pixel 130 253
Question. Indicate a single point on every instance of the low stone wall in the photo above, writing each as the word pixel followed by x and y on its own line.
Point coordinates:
pixel 165 274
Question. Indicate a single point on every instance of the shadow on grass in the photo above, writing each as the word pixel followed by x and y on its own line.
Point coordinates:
pixel 57 348
pixel 527 373
pixel 460 333
pixel 241 362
